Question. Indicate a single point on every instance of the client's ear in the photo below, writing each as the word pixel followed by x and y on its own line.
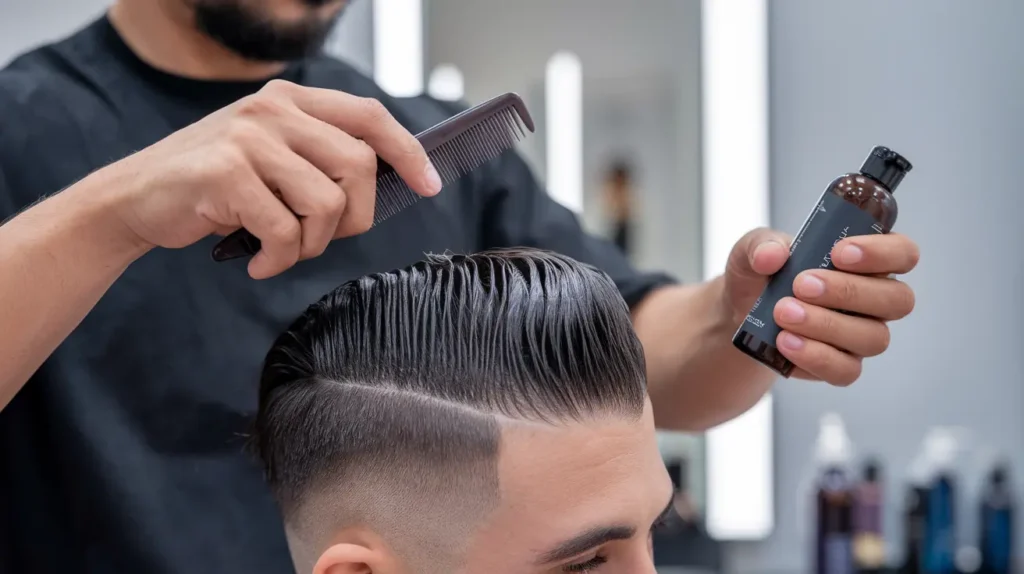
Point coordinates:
pixel 348 559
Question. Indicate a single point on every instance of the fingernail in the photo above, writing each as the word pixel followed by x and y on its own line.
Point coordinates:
pixel 765 245
pixel 792 312
pixel 810 286
pixel 851 254
pixel 433 179
pixel 791 341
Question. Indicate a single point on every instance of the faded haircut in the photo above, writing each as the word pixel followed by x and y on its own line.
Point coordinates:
pixel 382 405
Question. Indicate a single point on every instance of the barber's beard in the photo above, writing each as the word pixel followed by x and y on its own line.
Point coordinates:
pixel 255 36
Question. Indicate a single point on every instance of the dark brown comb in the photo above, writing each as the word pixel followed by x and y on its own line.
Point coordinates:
pixel 455 146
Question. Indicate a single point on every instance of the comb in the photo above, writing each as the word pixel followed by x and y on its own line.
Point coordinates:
pixel 455 146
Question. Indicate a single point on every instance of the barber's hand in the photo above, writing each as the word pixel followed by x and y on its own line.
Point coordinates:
pixel 295 166
pixel 822 343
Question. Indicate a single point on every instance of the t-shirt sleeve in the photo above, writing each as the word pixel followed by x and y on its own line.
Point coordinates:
pixel 6 199
pixel 518 212
pixel 9 205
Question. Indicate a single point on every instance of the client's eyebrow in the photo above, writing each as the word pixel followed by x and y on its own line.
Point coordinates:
pixel 596 537
pixel 589 539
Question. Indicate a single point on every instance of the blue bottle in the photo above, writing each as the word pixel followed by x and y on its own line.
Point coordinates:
pixel 997 516
pixel 940 543
pixel 940 527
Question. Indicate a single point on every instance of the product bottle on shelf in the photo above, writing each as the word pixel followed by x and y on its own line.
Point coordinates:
pixel 869 553
pixel 915 513
pixel 940 543
pixel 997 523
pixel 834 532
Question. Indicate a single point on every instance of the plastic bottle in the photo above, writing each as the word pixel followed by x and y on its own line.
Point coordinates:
pixel 940 543
pixel 915 514
pixel 868 538
pixel 853 204
pixel 834 532
pixel 997 523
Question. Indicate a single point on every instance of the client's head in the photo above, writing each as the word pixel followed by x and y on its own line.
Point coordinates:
pixel 469 414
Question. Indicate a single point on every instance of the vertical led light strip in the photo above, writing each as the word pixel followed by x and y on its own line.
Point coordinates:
pixel 734 46
pixel 398 46
pixel 563 96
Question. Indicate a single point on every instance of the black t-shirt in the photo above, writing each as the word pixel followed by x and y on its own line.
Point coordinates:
pixel 123 453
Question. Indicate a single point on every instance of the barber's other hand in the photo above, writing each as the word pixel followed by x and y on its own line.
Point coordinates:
pixel 822 343
pixel 295 166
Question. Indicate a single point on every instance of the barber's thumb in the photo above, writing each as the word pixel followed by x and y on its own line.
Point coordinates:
pixel 759 253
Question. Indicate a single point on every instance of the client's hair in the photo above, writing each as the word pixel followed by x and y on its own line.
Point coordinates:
pixel 382 405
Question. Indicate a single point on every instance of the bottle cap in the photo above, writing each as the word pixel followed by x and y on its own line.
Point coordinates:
pixel 833 445
pixel 942 445
pixel 999 475
pixel 886 167
pixel 872 471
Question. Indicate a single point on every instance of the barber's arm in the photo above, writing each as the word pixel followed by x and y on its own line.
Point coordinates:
pixel 56 261
pixel 295 166
pixel 697 379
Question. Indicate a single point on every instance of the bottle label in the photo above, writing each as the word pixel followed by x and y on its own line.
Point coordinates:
pixel 838 555
pixel 831 220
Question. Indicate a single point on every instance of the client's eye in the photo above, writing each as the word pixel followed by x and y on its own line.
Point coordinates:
pixel 588 566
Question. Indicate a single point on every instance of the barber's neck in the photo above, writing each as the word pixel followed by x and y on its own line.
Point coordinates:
pixel 163 34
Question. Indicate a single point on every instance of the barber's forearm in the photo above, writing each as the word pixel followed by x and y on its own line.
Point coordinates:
pixel 56 261
pixel 697 379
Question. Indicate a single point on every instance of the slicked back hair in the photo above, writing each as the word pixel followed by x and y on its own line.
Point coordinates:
pixel 390 391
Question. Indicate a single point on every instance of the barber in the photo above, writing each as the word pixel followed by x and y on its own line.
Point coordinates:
pixel 128 358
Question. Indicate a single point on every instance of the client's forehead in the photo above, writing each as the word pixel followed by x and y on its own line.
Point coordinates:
pixel 558 480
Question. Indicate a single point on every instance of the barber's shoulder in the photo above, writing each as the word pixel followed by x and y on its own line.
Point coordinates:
pixel 39 109
pixel 33 92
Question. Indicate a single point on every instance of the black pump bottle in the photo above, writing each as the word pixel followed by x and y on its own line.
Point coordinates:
pixel 853 204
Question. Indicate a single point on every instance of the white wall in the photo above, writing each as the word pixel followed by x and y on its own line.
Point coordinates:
pixel 352 40
pixel 940 81
pixel 27 23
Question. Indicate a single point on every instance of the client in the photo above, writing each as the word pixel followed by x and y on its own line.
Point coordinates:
pixel 482 414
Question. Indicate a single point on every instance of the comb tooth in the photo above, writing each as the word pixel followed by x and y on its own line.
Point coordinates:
pixel 520 125
pixel 451 160
pixel 505 135
pixel 501 134
pixel 495 134
pixel 493 144
pixel 392 196
pixel 501 137
pixel 489 135
pixel 460 147
pixel 443 165
pixel 514 125
pixel 465 151
pixel 506 127
pixel 509 131
pixel 489 147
